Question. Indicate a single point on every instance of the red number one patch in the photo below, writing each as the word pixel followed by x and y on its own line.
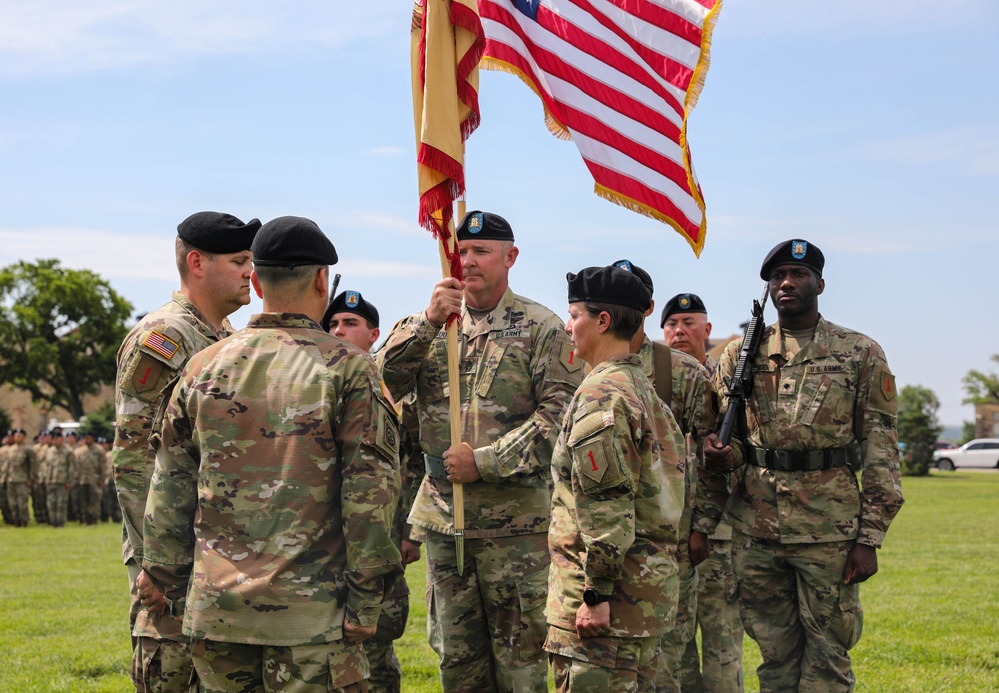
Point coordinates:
pixel 144 377
pixel 593 461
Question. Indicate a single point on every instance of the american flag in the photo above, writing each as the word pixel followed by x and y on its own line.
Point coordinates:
pixel 618 77
pixel 161 344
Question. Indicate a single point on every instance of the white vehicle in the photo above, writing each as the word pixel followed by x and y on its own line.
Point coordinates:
pixel 981 452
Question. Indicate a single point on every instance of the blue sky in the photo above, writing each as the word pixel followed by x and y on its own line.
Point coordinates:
pixel 869 129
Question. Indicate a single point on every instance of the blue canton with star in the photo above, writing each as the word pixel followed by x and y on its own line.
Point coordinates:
pixel 528 7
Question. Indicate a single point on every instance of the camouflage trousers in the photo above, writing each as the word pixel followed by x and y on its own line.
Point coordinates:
pixel 794 605
pixel 488 625
pixel 163 666
pixel 39 503
pixel 161 654
pixel 110 510
pixel 57 496
pixel 719 668
pixel 18 498
pixel 226 667
pixel 90 503
pixel 674 641
pixel 8 517
pixel 386 672
pixel 602 665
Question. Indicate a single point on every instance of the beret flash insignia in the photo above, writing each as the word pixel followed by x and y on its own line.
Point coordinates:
pixel 799 249
pixel 351 299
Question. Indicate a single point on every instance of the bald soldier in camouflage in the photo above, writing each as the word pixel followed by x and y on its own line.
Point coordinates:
pixel 689 396
pixel 618 471
pixel 274 488
pixel 718 667
pixel 517 374
pixel 213 260
pixel 805 533
pixel 353 319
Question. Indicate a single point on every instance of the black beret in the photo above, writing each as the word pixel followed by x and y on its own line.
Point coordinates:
pixel 215 232
pixel 793 253
pixel 20 430
pixel 638 272
pixel 484 226
pixel 73 433
pixel 682 303
pixel 292 242
pixel 350 302
pixel 608 285
pixel 56 434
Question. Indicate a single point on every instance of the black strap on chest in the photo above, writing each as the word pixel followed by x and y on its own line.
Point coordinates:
pixel 662 371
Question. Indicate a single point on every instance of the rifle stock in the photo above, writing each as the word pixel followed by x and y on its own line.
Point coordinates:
pixel 741 384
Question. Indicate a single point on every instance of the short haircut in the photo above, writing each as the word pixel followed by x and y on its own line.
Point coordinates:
pixel 181 250
pixel 624 320
pixel 286 280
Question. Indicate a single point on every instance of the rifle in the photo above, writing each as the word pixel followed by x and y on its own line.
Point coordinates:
pixel 328 315
pixel 740 387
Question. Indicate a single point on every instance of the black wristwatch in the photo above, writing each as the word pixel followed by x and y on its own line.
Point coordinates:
pixel 591 597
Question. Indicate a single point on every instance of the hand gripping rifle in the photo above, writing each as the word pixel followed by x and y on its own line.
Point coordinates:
pixel 740 387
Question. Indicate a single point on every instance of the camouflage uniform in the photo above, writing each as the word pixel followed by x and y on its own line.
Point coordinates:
pixel 61 476
pixel 386 672
pixel 90 479
pixel 517 374
pixel 20 462
pixel 8 515
pixel 39 483
pixel 694 406
pixel 148 368
pixel 718 667
pixel 792 528
pixel 273 490
pixel 617 506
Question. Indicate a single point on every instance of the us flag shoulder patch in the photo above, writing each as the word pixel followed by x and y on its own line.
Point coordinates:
pixel 161 344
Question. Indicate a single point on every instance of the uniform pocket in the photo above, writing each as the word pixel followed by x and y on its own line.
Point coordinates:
pixel 348 666
pixel 533 593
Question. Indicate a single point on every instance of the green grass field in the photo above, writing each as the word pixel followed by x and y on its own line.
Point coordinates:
pixel 931 614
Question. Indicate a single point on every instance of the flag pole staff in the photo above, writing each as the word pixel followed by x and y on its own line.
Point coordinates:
pixel 454 398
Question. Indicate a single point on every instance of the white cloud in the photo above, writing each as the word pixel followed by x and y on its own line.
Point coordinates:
pixel 65 36
pixel 111 255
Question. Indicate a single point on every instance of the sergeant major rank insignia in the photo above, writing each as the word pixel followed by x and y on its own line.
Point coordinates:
pixel 799 249
pixel 352 299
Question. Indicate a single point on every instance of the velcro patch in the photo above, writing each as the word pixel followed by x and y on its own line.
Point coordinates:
pixel 569 359
pixel 886 381
pixel 161 344
pixel 147 373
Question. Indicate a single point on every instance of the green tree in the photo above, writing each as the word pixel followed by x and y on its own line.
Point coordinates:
pixel 967 432
pixel 101 421
pixel 59 332
pixel 982 388
pixel 918 428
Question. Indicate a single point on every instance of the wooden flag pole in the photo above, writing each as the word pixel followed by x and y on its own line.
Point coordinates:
pixel 454 400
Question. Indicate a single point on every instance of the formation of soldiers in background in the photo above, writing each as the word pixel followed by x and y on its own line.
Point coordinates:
pixel 61 477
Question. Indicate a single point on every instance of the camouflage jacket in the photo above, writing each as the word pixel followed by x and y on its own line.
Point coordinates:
pixel 836 391
pixel 274 487
pixel 149 362
pixel 20 463
pixel 61 465
pixel 618 470
pixel 695 407
pixel 517 374
pixel 90 465
pixel 39 471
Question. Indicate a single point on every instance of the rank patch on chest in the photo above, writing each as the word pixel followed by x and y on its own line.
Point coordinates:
pixel 161 344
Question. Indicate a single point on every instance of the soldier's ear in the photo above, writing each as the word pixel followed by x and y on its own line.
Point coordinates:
pixel 256 284
pixel 820 286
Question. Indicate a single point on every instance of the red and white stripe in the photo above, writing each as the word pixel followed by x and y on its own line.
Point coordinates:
pixel 618 76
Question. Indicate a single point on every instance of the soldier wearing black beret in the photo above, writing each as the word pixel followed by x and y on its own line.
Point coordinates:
pixel 806 531
pixel 351 318
pixel 212 252
pixel 617 499
pixel 484 226
pixel 292 242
